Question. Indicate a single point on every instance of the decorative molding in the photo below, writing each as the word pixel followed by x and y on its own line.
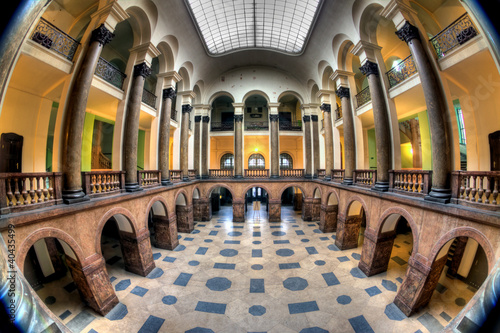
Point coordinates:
pixel 369 68
pixel 197 119
pixel 314 117
pixel 326 107
pixel 408 32
pixel 343 92
pixel 169 93
pixel 102 35
pixel 186 108
pixel 238 117
pixel 206 119
pixel 306 119
pixel 274 117
pixel 142 69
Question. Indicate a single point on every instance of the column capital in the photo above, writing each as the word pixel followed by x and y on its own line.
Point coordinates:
pixel 399 11
pixel 369 68
pixel 102 35
pixel 187 96
pixel 168 93
pixel 169 79
pixel 326 107
pixel 274 117
pixel 273 108
pixel 238 117
pixel 343 92
pixel 324 95
pixel 408 32
pixel 145 52
pixel 206 119
pixel 238 108
pixel 366 51
pixel 314 117
pixel 306 119
pixel 142 69
pixel 110 15
pixel 186 108
pixel 197 119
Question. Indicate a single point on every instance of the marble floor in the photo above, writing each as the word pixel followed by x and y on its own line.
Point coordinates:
pixel 257 277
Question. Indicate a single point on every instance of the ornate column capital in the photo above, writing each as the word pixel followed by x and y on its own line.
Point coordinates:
pixel 314 117
pixel 102 35
pixel 142 69
pixel 369 68
pixel 197 119
pixel 238 117
pixel 274 117
pixel 326 107
pixel 186 108
pixel 206 119
pixel 343 92
pixel 169 93
pixel 408 32
pixel 306 119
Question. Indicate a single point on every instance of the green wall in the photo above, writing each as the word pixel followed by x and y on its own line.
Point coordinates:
pixel 140 149
pixel 425 139
pixel 50 137
pixel 372 149
pixel 88 135
pixel 406 156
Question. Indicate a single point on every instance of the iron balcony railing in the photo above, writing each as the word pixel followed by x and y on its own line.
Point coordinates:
pixel 457 33
pixel 52 38
pixel 401 71
pixel 110 73
pixel 257 126
pixel 173 115
pixel 290 125
pixel 363 97
pixel 338 113
pixel 217 126
pixel 149 98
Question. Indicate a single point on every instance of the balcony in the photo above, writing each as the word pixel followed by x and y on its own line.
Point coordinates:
pixel 217 126
pixel 456 34
pixel 338 175
pixel 221 173
pixel 103 183
pixel 295 126
pixel 292 173
pixel 110 73
pixel 401 72
pixel 49 36
pixel 256 173
pixel 338 113
pixel 363 97
pixel 364 178
pixel 476 189
pixel 257 126
pixel 149 178
pixel 410 182
pixel 149 98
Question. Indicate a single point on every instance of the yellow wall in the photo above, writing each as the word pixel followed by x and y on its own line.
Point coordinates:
pixel 260 142
pixel 293 146
pixel 218 147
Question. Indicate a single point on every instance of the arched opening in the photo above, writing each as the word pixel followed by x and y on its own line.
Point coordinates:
pixel 256 194
pixel 286 161
pixel 162 231
pixel 222 115
pixel 227 161
pixel 328 214
pixel 256 162
pixel 350 231
pixel 291 203
pixel 184 213
pixel 221 203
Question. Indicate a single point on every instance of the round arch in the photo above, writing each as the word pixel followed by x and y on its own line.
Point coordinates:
pixel 332 193
pixel 293 93
pixel 280 193
pixel 363 205
pixel 125 216
pixel 317 188
pixel 141 23
pixel 166 57
pixel 379 228
pixel 196 193
pixel 256 92
pixel 246 189
pixel 213 187
pixel 325 78
pixel 153 204
pixel 186 197
pixel 366 20
pixel 220 94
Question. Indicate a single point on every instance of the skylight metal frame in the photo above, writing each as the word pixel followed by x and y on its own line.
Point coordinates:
pixel 228 26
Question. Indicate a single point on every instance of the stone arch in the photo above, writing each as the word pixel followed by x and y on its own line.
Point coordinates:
pixel 345 57
pixel 159 206
pixel 314 93
pixel 381 224
pixel 198 91
pixel 256 92
pixel 162 227
pixel 186 196
pixel 184 211
pixel 361 201
pixel 331 194
pixel 366 19
pixel 142 19
pixel 42 233
pixel 185 73
pixel 196 193
pixel 314 193
pixel 126 223
pixel 213 187
pixel 329 211
pixel 219 94
pixel 269 193
pixel 166 58
pixel 325 78
pixel 282 189
pixel 291 92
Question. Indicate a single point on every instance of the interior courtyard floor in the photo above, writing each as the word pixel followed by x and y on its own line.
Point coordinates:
pixel 257 277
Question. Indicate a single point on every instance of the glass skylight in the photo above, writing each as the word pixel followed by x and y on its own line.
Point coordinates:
pixel 228 25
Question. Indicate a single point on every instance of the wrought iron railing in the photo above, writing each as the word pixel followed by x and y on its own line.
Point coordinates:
pixel 338 113
pixel 410 182
pixel 290 125
pixel 457 33
pixel 149 98
pixel 477 188
pixel 401 71
pixel 363 97
pixel 221 173
pixel 256 173
pixel 110 73
pixel 53 38
pixel 292 173
pixel 173 115
pixel 217 126
pixel 101 183
pixel 257 126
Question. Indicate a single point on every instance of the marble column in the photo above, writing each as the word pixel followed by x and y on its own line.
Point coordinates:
pixel 186 112
pixel 382 126
pixel 204 148
pixel 376 252
pixel 197 138
pixel 275 146
pixel 238 146
pixel 131 133
pixel 349 141
pixel 73 128
pixel 437 111
pixel 307 143
pixel 165 232
pixel 327 111
pixel 164 144
pixel 315 142
pixel 185 221
pixel 137 253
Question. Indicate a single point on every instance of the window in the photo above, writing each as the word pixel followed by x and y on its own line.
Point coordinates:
pixel 227 161
pixel 461 125
pixel 286 161
pixel 256 161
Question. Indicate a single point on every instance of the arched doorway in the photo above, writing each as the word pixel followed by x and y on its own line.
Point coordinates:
pixel 328 214
pixel 291 202
pixel 184 213
pixel 162 231
pixel 256 194
pixel 311 207
pixel 350 230
pixel 221 203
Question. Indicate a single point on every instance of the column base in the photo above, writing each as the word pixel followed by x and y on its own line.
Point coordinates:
pixel 328 179
pixel 274 177
pixel 381 186
pixel 315 176
pixel 348 181
pixel 166 182
pixel 238 177
pixel 439 195
pixel 74 196
pixel 205 177
pixel 198 177
pixel 308 177
pixel 133 187
pixel 185 179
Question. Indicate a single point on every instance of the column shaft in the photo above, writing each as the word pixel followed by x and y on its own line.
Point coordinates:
pixel 164 144
pixel 349 141
pixel 315 141
pixel 186 111
pixel 275 146
pixel 197 139
pixel 238 146
pixel 307 144
pixel 204 148
pixel 327 108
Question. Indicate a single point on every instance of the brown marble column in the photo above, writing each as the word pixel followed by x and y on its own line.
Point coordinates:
pixel 93 283
pixel 307 143
pixel 328 218
pixel 376 252
pixel 327 112
pixel 438 118
pixel 73 127
pixel 204 148
pixel 238 146
pixel 274 210
pixel 349 141
pixel 348 232
pixel 164 140
pixel 137 253
pixel 238 210
pixel 275 146
pixel 131 133
pixel 186 112
pixel 185 222
pixel 307 209
pixel 315 142
pixel 382 125
pixel 197 139
pixel 165 232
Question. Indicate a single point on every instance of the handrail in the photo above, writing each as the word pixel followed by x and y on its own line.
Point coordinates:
pixel 292 173
pixel 51 37
pixel 149 98
pixel 365 177
pixel 110 73
pixel 457 33
pixel 401 71
pixel 99 183
pixel 221 173
pixel 478 188
pixel 256 173
pixel 363 97
pixel 149 178
pixel 410 182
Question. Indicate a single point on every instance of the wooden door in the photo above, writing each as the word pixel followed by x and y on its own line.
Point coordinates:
pixel 495 150
pixel 11 152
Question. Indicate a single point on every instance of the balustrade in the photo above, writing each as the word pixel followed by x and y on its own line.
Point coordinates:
pixel 457 33
pixel 363 97
pixel 256 173
pixel 100 183
pixel 221 173
pixel 338 175
pixel 478 188
pixel 175 176
pixel 149 98
pixel 217 126
pixel 26 191
pixel 51 37
pixel 110 73
pixel 149 178
pixel 191 173
pixel 292 173
pixel 401 71
pixel 290 125
pixel 257 126
pixel 321 173
pixel 365 177
pixel 410 182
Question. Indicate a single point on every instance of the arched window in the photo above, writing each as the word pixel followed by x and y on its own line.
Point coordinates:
pixel 256 161
pixel 286 161
pixel 227 161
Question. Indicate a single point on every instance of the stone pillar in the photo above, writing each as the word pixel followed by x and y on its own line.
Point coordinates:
pixel 382 126
pixel 202 209
pixel 131 133
pixel 204 148
pixel 274 210
pixel 349 141
pixel 457 256
pixel 297 201
pixel 197 139
pixel 186 112
pixel 316 209
pixel 308 148
pixel 348 232
pixel 327 112
pixel 328 218
pixel 238 210
pixel 418 285
pixel 73 128
pixel 437 111
pixel 275 146
pixel 238 146
pixel 315 142
pixel 165 232
pixel 137 253
pixel 376 252
pixel 93 283
pixel 185 222
pixel 164 140
pixel 307 209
